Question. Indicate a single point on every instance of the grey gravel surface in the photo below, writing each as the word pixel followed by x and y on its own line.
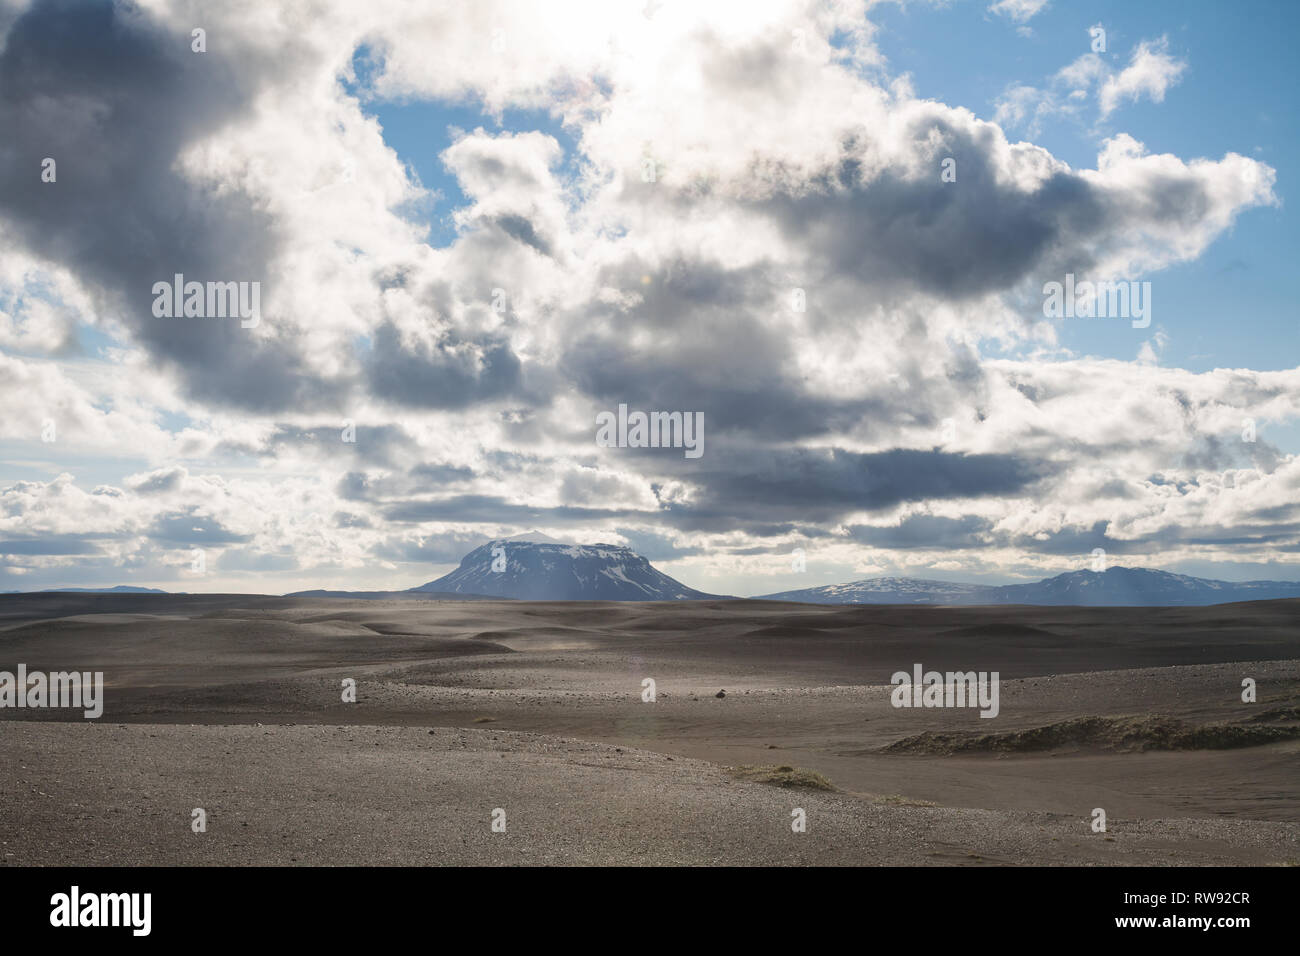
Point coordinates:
pixel 232 703
pixel 322 795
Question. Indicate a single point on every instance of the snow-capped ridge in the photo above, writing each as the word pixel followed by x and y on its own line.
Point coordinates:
pixel 1114 587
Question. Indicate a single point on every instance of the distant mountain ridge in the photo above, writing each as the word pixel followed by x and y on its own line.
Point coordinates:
pixel 118 589
pixel 537 568
pixel 1114 587
pixel 529 568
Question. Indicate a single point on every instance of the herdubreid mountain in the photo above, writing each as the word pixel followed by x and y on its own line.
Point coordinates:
pixel 534 568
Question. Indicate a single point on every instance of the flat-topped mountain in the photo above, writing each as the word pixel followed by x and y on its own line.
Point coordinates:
pixel 542 570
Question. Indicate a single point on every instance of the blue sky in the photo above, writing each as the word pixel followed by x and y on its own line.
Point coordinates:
pixel 1236 305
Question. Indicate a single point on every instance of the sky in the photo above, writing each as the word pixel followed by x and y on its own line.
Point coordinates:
pixel 827 228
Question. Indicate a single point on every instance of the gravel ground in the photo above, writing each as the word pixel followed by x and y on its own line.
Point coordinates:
pixel 108 794
pixel 233 704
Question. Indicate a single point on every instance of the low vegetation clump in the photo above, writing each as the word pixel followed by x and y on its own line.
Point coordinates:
pixel 898 800
pixel 783 776
pixel 1123 734
pixel 1276 714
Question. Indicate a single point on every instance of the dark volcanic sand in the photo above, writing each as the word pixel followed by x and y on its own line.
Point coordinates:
pixel 556 688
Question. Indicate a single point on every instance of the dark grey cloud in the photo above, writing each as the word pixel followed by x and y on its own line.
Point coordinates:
pixel 417 481
pixel 657 547
pixel 716 352
pixel 492 509
pixel 903 230
pixel 612 371
pixel 1281 531
pixel 189 529
pixel 926 531
pixel 431 549
pixel 346 519
pixel 114 98
pixel 1071 540
pixel 1115 488
pixel 975 533
pixel 522 229
pixel 1221 452
pixel 955 240
pixel 159 482
pixel 439 474
pixel 377 445
pixel 455 373
pixel 49 545
pixel 821 485
pixel 509 462
pixel 762 493
pixel 355 486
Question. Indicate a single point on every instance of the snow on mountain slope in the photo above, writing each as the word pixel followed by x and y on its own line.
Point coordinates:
pixel 536 570
pixel 1114 587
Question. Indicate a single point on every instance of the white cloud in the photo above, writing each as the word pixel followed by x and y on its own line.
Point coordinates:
pixel 1151 72
pixel 1019 11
